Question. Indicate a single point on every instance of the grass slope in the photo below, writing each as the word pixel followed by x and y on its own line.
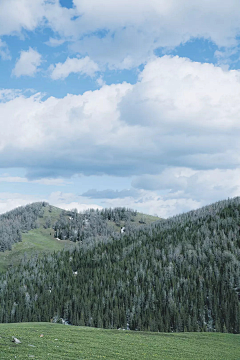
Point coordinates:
pixel 35 241
pixel 138 220
pixel 70 342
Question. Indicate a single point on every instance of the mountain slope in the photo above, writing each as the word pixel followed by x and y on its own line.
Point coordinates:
pixel 34 241
pixel 182 274
pixel 37 236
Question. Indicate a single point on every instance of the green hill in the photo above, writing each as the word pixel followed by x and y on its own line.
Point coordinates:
pixel 35 241
pixel 79 343
pixel 42 239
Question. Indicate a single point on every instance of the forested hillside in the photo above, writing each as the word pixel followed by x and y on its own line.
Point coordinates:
pixel 67 225
pixel 182 274
pixel 94 223
pixel 37 228
pixel 15 222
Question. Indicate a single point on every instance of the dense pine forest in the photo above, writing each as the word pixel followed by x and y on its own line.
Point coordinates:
pixel 181 274
pixel 93 223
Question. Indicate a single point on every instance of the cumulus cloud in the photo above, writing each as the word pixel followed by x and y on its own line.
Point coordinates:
pixel 168 23
pixel 133 32
pixel 19 16
pixel 16 15
pixel 74 65
pixel 122 35
pixel 180 113
pixel 76 127
pixel 28 63
pixel 176 130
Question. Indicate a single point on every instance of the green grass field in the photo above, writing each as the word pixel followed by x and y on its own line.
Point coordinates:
pixel 71 342
pixel 37 241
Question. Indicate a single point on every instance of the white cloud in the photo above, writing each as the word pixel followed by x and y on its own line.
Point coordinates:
pixel 100 81
pixel 149 202
pixel 77 205
pixel 53 42
pixel 167 22
pixel 180 113
pixel 45 181
pixel 124 35
pixel 9 94
pixel 133 31
pixel 69 201
pixel 73 65
pixel 28 63
pixel 204 186
pixel 16 15
pixel 176 130
pixel 174 191
pixel 9 201
pixel 54 124
pixel 4 51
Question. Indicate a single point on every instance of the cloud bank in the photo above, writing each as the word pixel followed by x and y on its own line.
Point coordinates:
pixel 175 132
pixel 179 113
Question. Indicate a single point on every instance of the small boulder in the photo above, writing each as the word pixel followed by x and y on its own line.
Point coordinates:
pixel 15 340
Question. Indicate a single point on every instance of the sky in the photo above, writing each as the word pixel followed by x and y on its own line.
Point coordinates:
pixel 119 103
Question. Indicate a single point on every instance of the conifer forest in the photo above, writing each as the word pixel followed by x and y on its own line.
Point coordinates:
pixel 174 275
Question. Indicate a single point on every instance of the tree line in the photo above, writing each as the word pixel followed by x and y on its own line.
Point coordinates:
pixel 76 226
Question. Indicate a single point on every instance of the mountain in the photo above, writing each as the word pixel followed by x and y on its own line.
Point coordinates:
pixel 181 274
pixel 38 227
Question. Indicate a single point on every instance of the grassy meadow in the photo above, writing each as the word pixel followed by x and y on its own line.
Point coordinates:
pixel 138 220
pixel 36 241
pixel 71 342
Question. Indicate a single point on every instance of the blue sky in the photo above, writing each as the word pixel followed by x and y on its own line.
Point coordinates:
pixel 119 104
